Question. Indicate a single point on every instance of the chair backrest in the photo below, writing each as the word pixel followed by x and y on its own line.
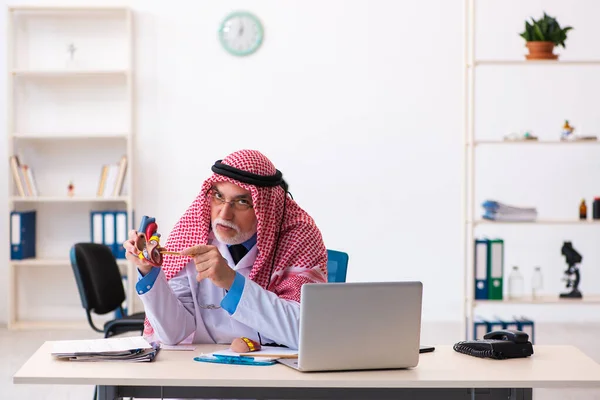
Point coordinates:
pixel 337 265
pixel 98 277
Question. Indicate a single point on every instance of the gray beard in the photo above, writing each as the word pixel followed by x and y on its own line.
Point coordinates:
pixel 238 238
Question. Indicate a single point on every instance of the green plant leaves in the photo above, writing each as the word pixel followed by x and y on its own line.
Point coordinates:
pixel 538 32
pixel 528 34
pixel 545 29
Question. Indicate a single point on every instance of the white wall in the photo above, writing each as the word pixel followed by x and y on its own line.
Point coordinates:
pixel 359 103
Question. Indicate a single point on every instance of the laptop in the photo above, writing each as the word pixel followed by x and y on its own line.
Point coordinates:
pixel 358 326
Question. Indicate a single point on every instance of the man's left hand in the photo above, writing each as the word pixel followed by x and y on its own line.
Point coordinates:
pixel 210 264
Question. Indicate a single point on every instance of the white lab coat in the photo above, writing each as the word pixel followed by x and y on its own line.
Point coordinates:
pixel 173 308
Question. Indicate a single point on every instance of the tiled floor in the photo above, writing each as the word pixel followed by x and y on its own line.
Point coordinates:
pixel 17 346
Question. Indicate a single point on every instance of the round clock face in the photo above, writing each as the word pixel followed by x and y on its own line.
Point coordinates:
pixel 241 33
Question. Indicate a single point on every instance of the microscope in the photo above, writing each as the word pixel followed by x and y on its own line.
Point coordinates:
pixel 572 273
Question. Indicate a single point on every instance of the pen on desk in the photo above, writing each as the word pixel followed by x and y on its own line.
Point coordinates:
pixel 223 359
pixel 268 355
pixel 233 358
pixel 237 360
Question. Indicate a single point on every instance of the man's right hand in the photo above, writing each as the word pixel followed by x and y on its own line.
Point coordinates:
pixel 131 253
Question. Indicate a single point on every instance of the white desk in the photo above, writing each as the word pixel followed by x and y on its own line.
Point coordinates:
pixel 441 374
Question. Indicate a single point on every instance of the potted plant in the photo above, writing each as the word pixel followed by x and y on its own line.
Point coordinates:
pixel 542 36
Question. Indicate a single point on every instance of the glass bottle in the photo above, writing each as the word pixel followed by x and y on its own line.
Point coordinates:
pixel 596 208
pixel 582 210
pixel 516 284
pixel 537 282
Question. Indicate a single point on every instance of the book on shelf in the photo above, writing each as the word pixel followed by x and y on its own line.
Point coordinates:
pixel 29 181
pixel 23 177
pixel 112 178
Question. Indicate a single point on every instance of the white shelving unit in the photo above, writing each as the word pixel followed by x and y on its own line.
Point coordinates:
pixel 69 113
pixel 471 144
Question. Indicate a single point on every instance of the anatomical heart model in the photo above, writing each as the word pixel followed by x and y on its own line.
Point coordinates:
pixel 148 242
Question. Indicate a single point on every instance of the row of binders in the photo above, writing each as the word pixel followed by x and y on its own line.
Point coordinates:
pixel 110 228
pixel 481 326
pixel 489 269
pixel 107 227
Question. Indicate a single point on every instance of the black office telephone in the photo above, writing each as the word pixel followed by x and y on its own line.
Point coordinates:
pixel 498 345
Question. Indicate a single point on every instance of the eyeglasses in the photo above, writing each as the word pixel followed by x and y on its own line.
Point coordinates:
pixel 217 199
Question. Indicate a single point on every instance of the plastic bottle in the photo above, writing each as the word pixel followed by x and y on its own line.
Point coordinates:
pixel 537 282
pixel 516 284
pixel 582 210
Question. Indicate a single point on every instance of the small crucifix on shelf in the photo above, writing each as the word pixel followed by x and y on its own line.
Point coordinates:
pixel 71 49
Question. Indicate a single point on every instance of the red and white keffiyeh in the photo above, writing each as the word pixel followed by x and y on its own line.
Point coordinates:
pixel 301 256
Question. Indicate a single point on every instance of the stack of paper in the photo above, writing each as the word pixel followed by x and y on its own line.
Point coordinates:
pixel 497 211
pixel 134 348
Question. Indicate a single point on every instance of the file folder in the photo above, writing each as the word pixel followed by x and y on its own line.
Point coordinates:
pixel 109 230
pixel 495 269
pixel 97 227
pixel 133 349
pixel 22 234
pixel 481 266
pixel 120 233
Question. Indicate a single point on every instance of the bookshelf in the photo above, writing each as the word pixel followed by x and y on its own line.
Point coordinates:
pixel 70 111
pixel 546 299
pixel 473 143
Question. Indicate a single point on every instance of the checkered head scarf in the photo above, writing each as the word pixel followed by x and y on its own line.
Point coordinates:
pixel 291 251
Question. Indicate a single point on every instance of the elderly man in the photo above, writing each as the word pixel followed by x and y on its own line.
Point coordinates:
pixel 247 249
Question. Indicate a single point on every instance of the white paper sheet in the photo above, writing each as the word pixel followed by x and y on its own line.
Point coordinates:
pixel 271 351
pixel 100 346
pixel 178 347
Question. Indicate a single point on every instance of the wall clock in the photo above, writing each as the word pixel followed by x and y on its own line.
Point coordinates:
pixel 241 33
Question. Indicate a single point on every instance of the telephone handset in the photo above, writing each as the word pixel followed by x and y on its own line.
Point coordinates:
pixel 499 345
pixel 510 335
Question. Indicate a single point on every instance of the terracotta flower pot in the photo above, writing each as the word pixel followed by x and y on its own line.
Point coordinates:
pixel 541 51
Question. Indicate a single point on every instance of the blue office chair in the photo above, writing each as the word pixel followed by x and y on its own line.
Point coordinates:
pixel 337 265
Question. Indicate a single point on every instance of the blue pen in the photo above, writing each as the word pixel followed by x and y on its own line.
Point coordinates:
pixel 222 359
pixel 233 358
